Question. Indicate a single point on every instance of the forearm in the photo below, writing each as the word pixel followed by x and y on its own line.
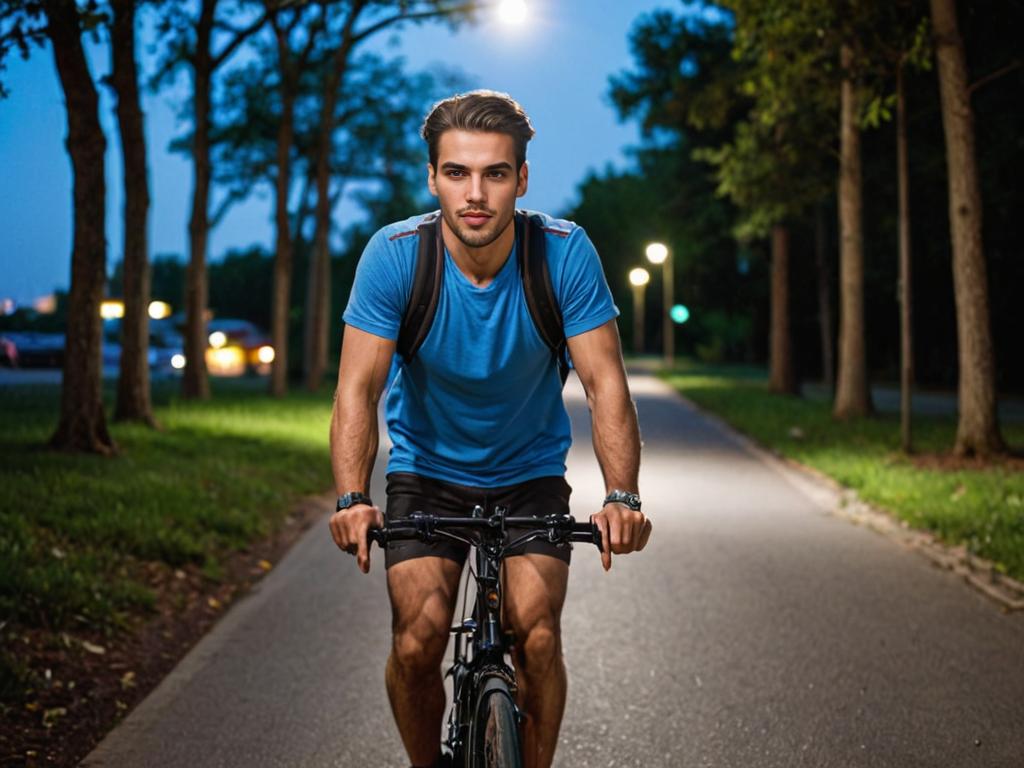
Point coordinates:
pixel 616 434
pixel 354 441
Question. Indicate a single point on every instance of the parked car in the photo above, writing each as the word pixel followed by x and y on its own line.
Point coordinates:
pixel 238 347
pixel 166 355
pixel 33 349
pixel 8 353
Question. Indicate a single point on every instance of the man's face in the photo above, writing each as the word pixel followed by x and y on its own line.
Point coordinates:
pixel 476 184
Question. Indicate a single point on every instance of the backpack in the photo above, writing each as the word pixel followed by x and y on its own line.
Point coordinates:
pixel 531 253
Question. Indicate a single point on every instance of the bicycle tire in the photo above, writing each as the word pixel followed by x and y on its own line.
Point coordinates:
pixel 495 739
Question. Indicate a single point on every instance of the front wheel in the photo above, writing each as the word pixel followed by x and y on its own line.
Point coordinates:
pixel 495 739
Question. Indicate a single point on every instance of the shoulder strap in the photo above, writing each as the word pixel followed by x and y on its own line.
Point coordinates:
pixel 426 289
pixel 537 287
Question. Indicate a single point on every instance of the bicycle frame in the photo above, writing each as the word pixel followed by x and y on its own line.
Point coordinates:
pixel 485 667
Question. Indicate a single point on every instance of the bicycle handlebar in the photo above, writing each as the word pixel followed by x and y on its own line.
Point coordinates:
pixel 423 526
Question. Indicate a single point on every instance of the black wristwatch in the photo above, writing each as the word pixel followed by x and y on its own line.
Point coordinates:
pixel 352 498
pixel 631 500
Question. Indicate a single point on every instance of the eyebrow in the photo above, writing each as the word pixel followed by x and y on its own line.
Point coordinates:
pixel 502 166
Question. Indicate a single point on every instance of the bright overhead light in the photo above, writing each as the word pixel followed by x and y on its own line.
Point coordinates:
pixel 639 276
pixel 657 253
pixel 512 11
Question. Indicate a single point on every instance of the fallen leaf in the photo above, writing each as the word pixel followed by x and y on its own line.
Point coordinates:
pixel 32 706
pixel 213 602
pixel 99 650
pixel 958 493
pixel 58 553
pixel 128 680
pixel 50 716
pixel 266 565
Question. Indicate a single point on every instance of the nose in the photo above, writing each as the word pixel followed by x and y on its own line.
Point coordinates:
pixel 475 190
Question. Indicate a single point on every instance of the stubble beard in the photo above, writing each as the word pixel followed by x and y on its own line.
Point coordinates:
pixel 476 238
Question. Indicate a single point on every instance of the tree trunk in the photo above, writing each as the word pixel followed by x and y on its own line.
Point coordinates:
pixel 195 383
pixel 319 291
pixel 906 329
pixel 853 398
pixel 82 425
pixel 133 396
pixel 782 379
pixel 828 346
pixel 283 260
pixel 978 429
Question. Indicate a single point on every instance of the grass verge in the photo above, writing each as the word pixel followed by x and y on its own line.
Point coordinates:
pixel 978 505
pixel 86 541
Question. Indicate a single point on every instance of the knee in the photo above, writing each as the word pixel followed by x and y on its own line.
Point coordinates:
pixel 539 648
pixel 418 652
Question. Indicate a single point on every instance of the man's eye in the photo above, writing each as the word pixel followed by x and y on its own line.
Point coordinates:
pixel 456 174
pixel 497 174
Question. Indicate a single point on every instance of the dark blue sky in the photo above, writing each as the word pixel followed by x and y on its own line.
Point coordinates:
pixel 557 66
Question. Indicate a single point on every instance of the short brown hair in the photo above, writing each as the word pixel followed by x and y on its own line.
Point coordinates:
pixel 486 111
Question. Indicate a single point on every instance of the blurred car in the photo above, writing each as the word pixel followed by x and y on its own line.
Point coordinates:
pixel 33 349
pixel 8 353
pixel 166 355
pixel 238 347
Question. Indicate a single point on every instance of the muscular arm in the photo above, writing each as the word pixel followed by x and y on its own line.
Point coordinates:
pixel 362 373
pixel 597 358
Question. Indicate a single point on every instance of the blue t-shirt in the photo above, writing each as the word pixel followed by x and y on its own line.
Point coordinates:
pixel 481 402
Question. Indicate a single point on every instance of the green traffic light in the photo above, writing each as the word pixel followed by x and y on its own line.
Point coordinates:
pixel 679 314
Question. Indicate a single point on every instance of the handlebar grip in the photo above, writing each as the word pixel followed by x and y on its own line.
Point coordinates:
pixel 380 535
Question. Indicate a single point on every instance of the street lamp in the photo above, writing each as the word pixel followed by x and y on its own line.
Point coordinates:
pixel 638 278
pixel 658 253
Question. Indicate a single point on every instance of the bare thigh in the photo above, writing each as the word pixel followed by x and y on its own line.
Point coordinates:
pixel 535 587
pixel 423 592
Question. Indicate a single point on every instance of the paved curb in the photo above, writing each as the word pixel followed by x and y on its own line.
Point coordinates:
pixel 835 500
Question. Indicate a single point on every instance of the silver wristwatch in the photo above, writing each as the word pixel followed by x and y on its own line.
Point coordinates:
pixel 631 500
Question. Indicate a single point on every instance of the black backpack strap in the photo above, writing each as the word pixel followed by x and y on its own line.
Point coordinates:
pixel 426 289
pixel 537 287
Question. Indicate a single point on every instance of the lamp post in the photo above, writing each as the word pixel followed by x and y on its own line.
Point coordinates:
pixel 638 278
pixel 658 253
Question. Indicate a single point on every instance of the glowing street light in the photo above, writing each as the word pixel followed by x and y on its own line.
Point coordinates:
pixel 658 253
pixel 158 310
pixel 512 11
pixel 638 278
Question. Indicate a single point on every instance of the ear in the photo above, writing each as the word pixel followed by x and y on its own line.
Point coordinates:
pixel 524 179
pixel 431 180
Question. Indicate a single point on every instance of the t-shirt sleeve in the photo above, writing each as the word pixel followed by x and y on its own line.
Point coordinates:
pixel 380 290
pixel 583 294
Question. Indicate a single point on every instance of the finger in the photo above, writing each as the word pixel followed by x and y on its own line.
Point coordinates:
pixel 362 549
pixel 606 543
pixel 645 534
pixel 378 519
pixel 616 527
pixel 336 532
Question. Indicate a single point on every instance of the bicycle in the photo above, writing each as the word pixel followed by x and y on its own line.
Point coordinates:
pixel 483 722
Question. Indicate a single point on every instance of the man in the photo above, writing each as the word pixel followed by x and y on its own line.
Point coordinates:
pixel 476 417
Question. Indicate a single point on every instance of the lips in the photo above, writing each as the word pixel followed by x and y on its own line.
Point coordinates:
pixel 476 218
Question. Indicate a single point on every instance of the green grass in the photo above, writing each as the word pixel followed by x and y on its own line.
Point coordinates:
pixel 981 508
pixel 74 530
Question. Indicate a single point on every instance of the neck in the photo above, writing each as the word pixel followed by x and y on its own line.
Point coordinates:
pixel 480 265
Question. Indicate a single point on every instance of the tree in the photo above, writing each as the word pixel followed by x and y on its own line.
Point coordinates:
pixel 82 426
pixel 192 45
pixel 354 23
pixel 133 395
pixel 978 428
pixel 853 395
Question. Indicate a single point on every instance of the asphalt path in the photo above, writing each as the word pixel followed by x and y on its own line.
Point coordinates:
pixel 755 630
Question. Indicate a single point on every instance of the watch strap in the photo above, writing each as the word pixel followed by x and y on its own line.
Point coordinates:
pixel 352 498
pixel 631 500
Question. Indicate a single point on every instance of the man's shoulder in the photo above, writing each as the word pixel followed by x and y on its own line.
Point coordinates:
pixel 555 228
pixel 404 230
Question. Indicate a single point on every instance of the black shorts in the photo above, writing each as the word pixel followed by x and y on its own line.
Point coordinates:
pixel 408 493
